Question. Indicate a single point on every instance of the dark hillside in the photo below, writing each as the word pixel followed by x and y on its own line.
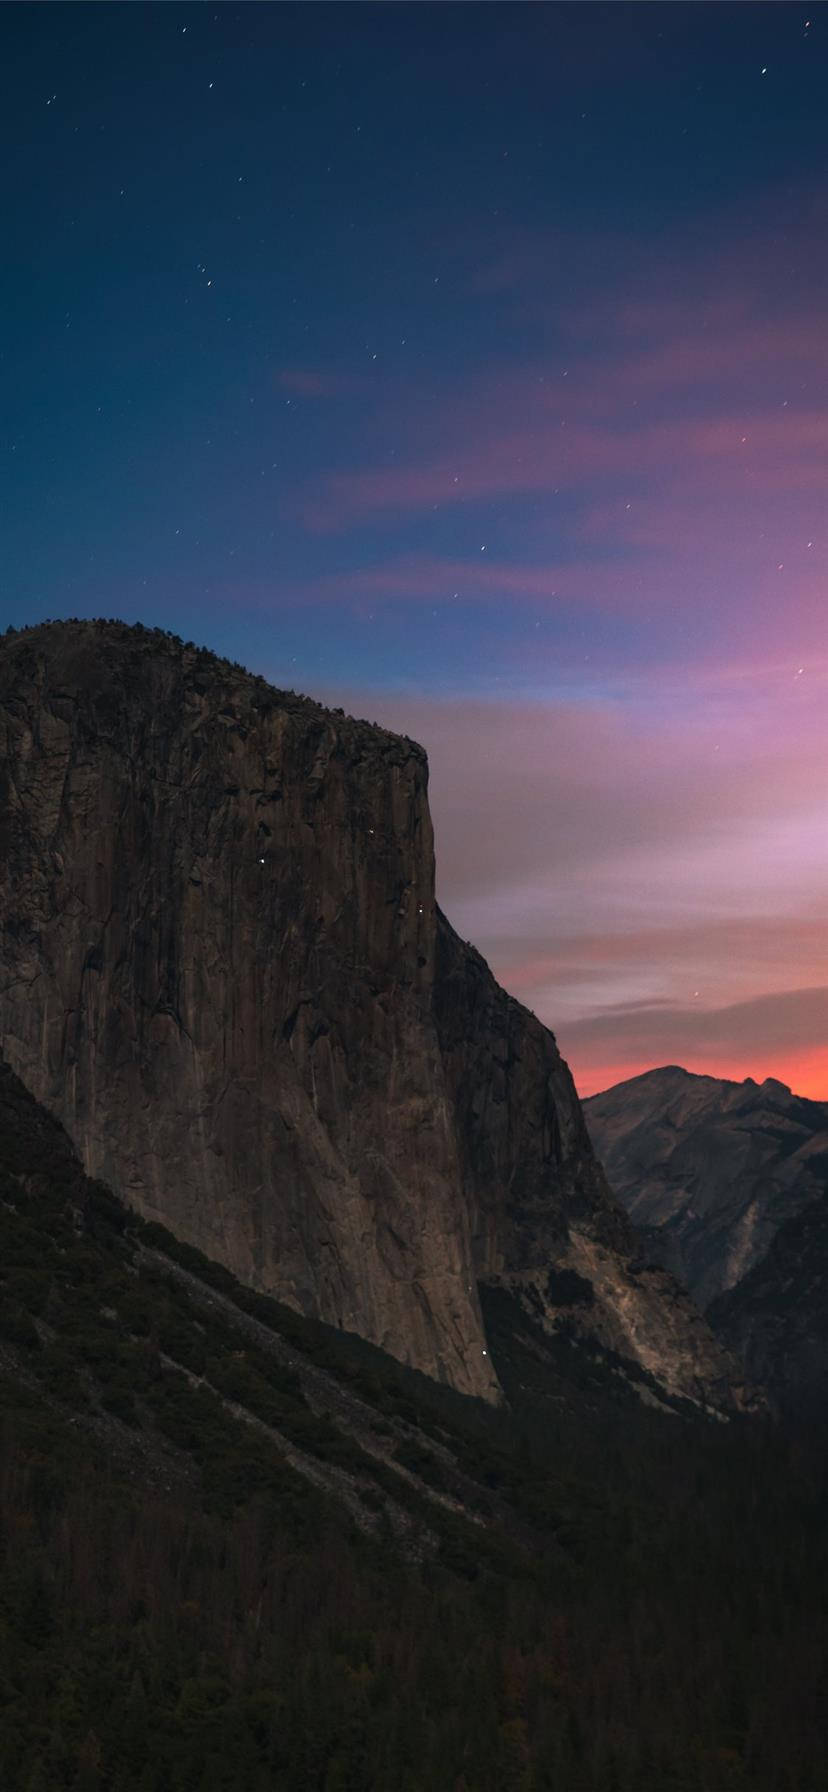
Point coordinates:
pixel 776 1318
pixel 240 1550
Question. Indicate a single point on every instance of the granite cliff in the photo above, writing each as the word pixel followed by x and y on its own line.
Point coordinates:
pixel 223 969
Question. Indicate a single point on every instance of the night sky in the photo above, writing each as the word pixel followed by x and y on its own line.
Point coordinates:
pixel 467 366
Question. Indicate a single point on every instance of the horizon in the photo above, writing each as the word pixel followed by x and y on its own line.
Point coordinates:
pixel 396 363
pixel 585 1093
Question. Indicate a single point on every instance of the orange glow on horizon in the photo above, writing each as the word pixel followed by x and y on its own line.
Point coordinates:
pixel 805 1074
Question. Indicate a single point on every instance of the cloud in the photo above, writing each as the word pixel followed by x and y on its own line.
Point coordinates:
pixel 784 1021
pixel 669 449
pixel 434 579
pixel 640 891
pixel 757 452
pixel 649 481
pixel 736 951
pixel 319 382
pixel 781 1034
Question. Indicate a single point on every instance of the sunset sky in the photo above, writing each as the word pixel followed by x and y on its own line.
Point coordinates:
pixel 468 366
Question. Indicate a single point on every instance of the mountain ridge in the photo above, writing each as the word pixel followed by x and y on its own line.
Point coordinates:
pixel 710 1167
pixel 730 1182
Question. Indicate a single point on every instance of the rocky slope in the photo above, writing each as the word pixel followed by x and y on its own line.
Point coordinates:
pixel 711 1169
pixel 223 969
pixel 775 1320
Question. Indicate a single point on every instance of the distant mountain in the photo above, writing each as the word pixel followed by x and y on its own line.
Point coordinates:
pixel 709 1169
pixel 225 973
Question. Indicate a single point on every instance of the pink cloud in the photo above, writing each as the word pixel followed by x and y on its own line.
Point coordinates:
pixel 780 1034
pixel 613 857
pixel 649 393
pixel 779 943
pixel 771 452
pixel 651 898
pixel 317 382
pixel 441 580
pixel 704 357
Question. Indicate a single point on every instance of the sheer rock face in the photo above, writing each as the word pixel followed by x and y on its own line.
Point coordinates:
pixel 543 1222
pixel 222 967
pixel 712 1169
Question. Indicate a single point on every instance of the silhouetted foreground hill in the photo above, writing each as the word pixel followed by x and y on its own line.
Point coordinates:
pixel 242 1551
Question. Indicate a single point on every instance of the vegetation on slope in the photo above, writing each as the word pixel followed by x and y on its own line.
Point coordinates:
pixel 239 1550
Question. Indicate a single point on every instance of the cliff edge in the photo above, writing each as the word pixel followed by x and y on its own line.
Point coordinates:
pixel 222 967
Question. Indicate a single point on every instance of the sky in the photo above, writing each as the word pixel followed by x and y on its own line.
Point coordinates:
pixel 467 365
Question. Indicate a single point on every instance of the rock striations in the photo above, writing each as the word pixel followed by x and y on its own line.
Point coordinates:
pixel 712 1169
pixel 222 967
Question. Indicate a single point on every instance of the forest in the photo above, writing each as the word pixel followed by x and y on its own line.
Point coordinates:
pixel 241 1551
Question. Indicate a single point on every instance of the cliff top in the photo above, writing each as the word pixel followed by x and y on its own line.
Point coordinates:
pixel 74 647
